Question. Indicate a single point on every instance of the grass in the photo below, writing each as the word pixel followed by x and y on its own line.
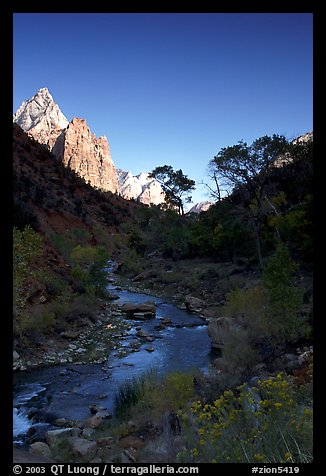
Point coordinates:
pixel 150 396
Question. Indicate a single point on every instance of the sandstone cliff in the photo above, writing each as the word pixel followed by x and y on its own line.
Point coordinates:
pixel 88 156
pixel 72 142
pixel 41 118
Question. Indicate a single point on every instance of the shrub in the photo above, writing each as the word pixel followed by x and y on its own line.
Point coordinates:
pixel 240 353
pixel 271 310
pixel 259 424
pixel 284 298
pixel 24 215
pixel 27 245
pixel 132 263
pixel 152 395
pixel 88 270
pixel 133 391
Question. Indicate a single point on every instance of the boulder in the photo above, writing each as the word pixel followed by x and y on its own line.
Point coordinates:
pixel 220 329
pixel 149 348
pixel 105 441
pixel 131 441
pixel 142 334
pixel 194 304
pixel 82 447
pixel 97 420
pixel 140 311
pixel 23 456
pixel 70 335
pixel 15 356
pixel 40 448
pixel 52 436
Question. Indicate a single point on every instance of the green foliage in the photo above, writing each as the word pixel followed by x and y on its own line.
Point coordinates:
pixel 133 391
pixel 240 353
pixel 270 310
pixel 221 233
pixel 175 237
pixel 55 284
pixel 87 269
pixel 151 395
pixel 284 298
pixel 40 321
pixel 175 185
pixel 132 263
pixel 66 242
pixel 295 228
pixel 247 165
pixel 104 239
pixel 136 240
pixel 264 423
pixel 24 215
pixel 250 306
pixel 71 308
pixel 27 246
pixel 245 169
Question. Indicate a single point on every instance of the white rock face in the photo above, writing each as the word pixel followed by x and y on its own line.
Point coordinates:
pixel 309 136
pixel 129 185
pixel 41 117
pixel 200 207
pixel 140 187
pixel 286 159
pixel 73 143
pixel 40 108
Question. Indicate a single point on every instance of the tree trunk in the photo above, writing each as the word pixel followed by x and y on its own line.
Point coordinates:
pixel 259 250
pixel 256 227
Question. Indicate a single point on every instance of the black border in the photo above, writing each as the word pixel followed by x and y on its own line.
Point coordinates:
pixel 6 42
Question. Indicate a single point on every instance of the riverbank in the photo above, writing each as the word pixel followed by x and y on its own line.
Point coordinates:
pixel 90 345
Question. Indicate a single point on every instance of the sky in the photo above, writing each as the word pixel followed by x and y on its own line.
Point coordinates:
pixel 168 88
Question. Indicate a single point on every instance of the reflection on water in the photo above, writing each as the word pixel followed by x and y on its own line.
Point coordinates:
pixel 68 396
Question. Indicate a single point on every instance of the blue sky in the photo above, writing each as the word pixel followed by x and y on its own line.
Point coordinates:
pixel 171 88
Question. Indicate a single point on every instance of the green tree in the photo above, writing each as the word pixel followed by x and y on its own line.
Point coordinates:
pixel 245 169
pixel 27 246
pixel 175 184
pixel 88 269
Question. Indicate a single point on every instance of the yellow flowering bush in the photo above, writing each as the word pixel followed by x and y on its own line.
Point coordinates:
pixel 262 423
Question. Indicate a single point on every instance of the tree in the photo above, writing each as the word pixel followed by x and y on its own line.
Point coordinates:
pixel 175 186
pixel 245 169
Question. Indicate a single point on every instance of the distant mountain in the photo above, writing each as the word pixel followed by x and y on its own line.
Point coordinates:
pixel 72 142
pixel 200 207
pixel 41 117
pixel 79 149
pixel 140 187
pixel 285 159
pixel 51 197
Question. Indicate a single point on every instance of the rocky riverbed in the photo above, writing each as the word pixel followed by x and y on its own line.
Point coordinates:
pixel 75 387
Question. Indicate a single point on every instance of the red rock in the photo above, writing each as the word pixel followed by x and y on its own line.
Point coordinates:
pixel 88 156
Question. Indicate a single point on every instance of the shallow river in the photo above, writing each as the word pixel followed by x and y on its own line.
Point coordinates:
pixel 66 391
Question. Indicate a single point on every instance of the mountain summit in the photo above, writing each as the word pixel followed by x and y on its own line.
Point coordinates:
pixel 75 145
pixel 72 142
pixel 41 117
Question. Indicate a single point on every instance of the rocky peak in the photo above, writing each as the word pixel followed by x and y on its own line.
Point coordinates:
pixel 286 158
pixel 200 207
pixel 41 118
pixel 72 142
pixel 307 137
pixel 140 187
pixel 87 155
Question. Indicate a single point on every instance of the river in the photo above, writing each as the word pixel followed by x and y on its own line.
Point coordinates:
pixel 45 394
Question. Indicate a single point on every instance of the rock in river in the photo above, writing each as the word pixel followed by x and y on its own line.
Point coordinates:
pixel 141 311
pixel 194 304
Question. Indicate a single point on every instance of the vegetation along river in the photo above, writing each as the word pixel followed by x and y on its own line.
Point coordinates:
pixel 43 395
